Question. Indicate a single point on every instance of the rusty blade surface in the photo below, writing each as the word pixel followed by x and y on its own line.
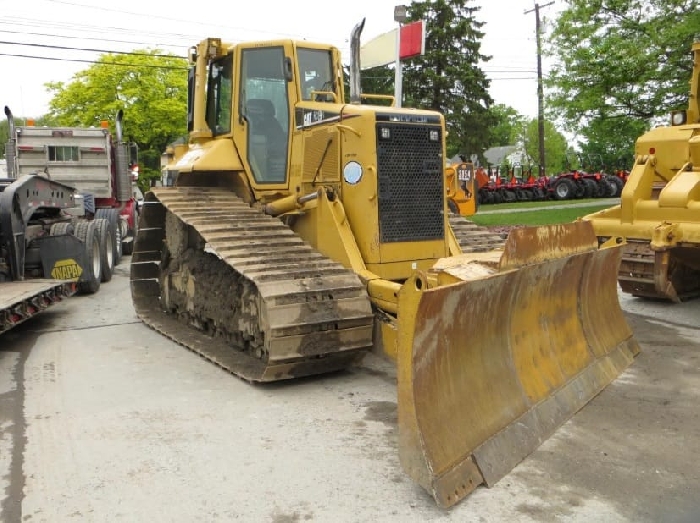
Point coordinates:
pixel 490 368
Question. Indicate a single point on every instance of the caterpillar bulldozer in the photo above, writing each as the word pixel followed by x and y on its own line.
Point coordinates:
pixel 303 231
pixel 658 210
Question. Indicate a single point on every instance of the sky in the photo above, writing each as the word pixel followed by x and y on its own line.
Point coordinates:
pixel 55 28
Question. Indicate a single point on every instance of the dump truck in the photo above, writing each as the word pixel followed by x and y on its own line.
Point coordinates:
pixel 44 257
pixel 101 167
pixel 658 210
pixel 304 231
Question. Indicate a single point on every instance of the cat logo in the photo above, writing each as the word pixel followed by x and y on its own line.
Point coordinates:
pixel 67 269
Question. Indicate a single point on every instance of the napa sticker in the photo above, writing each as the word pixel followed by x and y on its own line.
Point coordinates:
pixel 67 269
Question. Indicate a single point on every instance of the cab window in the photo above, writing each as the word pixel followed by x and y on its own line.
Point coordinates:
pixel 219 91
pixel 315 67
pixel 265 108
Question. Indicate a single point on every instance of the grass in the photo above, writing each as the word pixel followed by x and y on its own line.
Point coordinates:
pixel 538 217
pixel 525 205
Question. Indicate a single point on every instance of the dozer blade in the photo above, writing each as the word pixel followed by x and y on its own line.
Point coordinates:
pixel 490 368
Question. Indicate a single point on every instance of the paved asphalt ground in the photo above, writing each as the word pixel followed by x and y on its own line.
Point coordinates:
pixel 103 419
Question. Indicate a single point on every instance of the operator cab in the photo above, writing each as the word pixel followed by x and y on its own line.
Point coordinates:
pixel 250 93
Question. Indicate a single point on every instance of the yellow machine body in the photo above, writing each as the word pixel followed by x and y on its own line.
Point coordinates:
pixel 659 211
pixel 462 188
pixel 303 231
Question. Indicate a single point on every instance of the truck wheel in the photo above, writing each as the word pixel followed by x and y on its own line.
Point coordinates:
pixel 105 233
pixel 112 217
pixel 85 231
pixel 61 228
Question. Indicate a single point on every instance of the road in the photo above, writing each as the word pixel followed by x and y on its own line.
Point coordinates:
pixel 103 419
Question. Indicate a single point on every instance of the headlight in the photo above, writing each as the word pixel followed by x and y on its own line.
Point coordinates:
pixel 678 117
pixel 434 135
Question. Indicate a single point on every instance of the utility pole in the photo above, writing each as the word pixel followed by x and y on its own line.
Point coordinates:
pixel 400 17
pixel 540 90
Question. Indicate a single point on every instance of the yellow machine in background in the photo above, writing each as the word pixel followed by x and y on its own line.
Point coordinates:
pixel 304 231
pixel 461 188
pixel 659 212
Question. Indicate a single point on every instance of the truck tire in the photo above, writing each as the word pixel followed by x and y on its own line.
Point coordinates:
pixel 85 231
pixel 112 216
pixel 105 233
pixel 61 228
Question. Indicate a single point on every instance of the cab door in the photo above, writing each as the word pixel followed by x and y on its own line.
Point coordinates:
pixel 262 128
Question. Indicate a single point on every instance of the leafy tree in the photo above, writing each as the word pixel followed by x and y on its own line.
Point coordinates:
pixel 378 80
pixel 610 141
pixel 447 77
pixel 622 65
pixel 555 146
pixel 507 126
pixel 151 89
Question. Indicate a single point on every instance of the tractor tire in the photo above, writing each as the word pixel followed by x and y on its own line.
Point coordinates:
pixel 509 196
pixel 619 185
pixel 590 188
pixel 497 197
pixel 112 217
pixel 105 233
pixel 605 188
pixel 85 231
pixel 564 189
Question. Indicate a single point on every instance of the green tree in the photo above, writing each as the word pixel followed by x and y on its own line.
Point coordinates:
pixel 507 127
pixel 622 65
pixel 555 146
pixel 378 80
pixel 611 141
pixel 447 78
pixel 151 89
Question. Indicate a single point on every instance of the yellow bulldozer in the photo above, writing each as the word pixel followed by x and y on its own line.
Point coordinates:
pixel 303 231
pixel 659 206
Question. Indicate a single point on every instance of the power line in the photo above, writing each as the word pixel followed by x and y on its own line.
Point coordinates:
pixel 85 61
pixel 72 37
pixel 65 48
pixel 141 15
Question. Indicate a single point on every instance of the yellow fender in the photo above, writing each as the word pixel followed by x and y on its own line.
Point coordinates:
pixel 490 368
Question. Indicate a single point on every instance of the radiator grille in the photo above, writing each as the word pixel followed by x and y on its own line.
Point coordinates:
pixel 410 174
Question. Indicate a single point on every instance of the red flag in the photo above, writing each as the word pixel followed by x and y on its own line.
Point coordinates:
pixel 412 40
